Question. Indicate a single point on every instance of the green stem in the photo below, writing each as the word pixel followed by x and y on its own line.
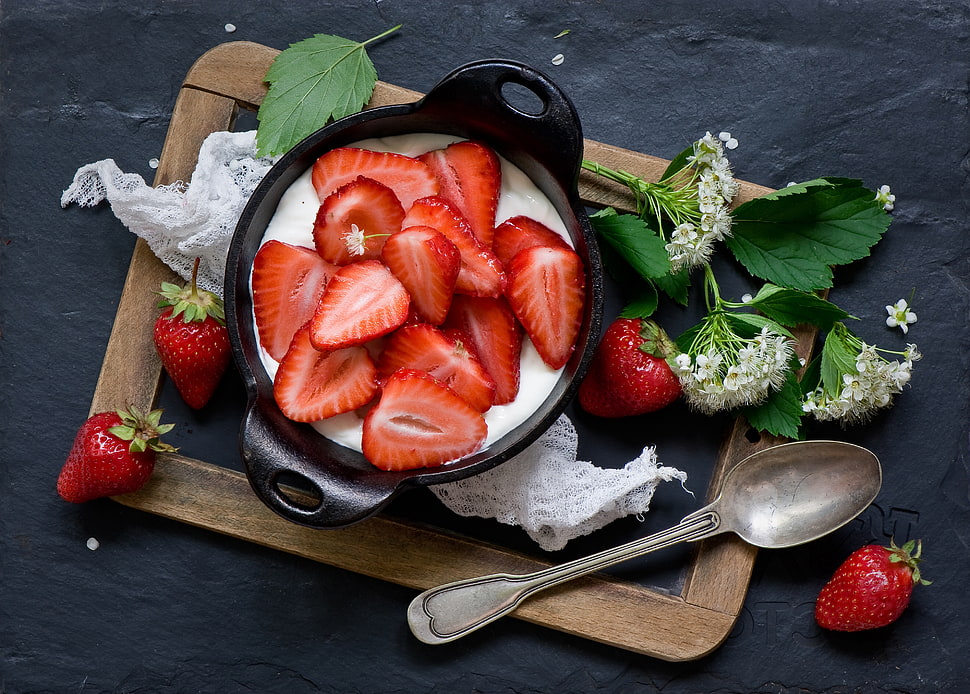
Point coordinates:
pixel 382 35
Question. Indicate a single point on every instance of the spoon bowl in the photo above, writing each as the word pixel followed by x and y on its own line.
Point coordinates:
pixel 796 492
pixel 779 497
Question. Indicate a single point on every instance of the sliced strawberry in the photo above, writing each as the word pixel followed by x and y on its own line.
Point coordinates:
pixel 427 264
pixel 521 232
pixel 470 176
pixel 491 332
pixel 546 293
pixel 287 282
pixel 424 347
pixel 408 177
pixel 362 301
pixel 481 273
pixel 355 220
pixel 420 422
pixel 311 385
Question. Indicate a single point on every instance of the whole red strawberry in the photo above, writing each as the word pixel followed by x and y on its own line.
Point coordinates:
pixel 192 340
pixel 113 453
pixel 629 374
pixel 871 588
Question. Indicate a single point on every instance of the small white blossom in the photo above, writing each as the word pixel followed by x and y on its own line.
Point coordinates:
pixel 886 198
pixel 900 316
pixel 356 240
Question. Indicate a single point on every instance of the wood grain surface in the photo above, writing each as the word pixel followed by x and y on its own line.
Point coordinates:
pixel 600 608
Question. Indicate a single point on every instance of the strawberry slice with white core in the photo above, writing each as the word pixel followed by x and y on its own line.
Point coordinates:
pixel 287 284
pixel 420 422
pixel 546 293
pixel 520 232
pixel 362 301
pixel 408 177
pixel 481 272
pixel 470 176
pixel 424 347
pixel 354 221
pixel 491 332
pixel 427 264
pixel 311 385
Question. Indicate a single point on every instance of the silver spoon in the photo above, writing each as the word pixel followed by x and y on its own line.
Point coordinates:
pixel 778 497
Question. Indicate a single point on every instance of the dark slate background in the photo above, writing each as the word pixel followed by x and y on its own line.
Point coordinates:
pixel 876 91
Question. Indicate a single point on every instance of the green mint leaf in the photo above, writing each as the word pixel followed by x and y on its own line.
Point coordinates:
pixel 780 414
pixel 793 236
pixel 313 81
pixel 634 240
pixel 792 307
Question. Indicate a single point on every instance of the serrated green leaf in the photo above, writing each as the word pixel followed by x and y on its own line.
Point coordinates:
pixel 676 285
pixel 316 80
pixel 634 240
pixel 792 307
pixel 780 414
pixel 644 304
pixel 838 357
pixel 747 325
pixel 812 376
pixel 793 236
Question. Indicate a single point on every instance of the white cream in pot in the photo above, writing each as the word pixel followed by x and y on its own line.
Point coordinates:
pixel 293 223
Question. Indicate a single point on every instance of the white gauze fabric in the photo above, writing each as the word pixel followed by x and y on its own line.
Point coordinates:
pixel 181 222
pixel 544 490
pixel 553 496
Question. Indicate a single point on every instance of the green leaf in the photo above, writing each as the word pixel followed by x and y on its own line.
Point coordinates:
pixel 838 357
pixel 643 304
pixel 780 414
pixel 747 325
pixel 678 163
pixel 792 307
pixel 793 236
pixel 675 285
pixel 313 81
pixel 634 240
pixel 812 376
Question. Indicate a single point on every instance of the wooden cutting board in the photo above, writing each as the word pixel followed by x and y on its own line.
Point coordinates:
pixel 627 615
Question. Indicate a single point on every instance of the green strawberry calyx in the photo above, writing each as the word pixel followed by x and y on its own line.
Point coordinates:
pixel 656 342
pixel 190 302
pixel 906 555
pixel 143 430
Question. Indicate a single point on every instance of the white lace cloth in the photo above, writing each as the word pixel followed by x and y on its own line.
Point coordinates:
pixel 544 490
pixel 181 222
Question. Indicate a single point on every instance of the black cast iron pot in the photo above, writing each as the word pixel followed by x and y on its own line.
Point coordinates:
pixel 476 101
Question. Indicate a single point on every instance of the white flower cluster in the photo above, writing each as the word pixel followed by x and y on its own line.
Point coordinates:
pixel 870 387
pixel 726 375
pixel 691 242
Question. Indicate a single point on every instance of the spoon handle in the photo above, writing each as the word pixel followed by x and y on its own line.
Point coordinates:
pixel 450 611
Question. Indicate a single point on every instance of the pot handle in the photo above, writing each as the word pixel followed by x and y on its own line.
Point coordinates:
pixel 305 490
pixel 536 114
